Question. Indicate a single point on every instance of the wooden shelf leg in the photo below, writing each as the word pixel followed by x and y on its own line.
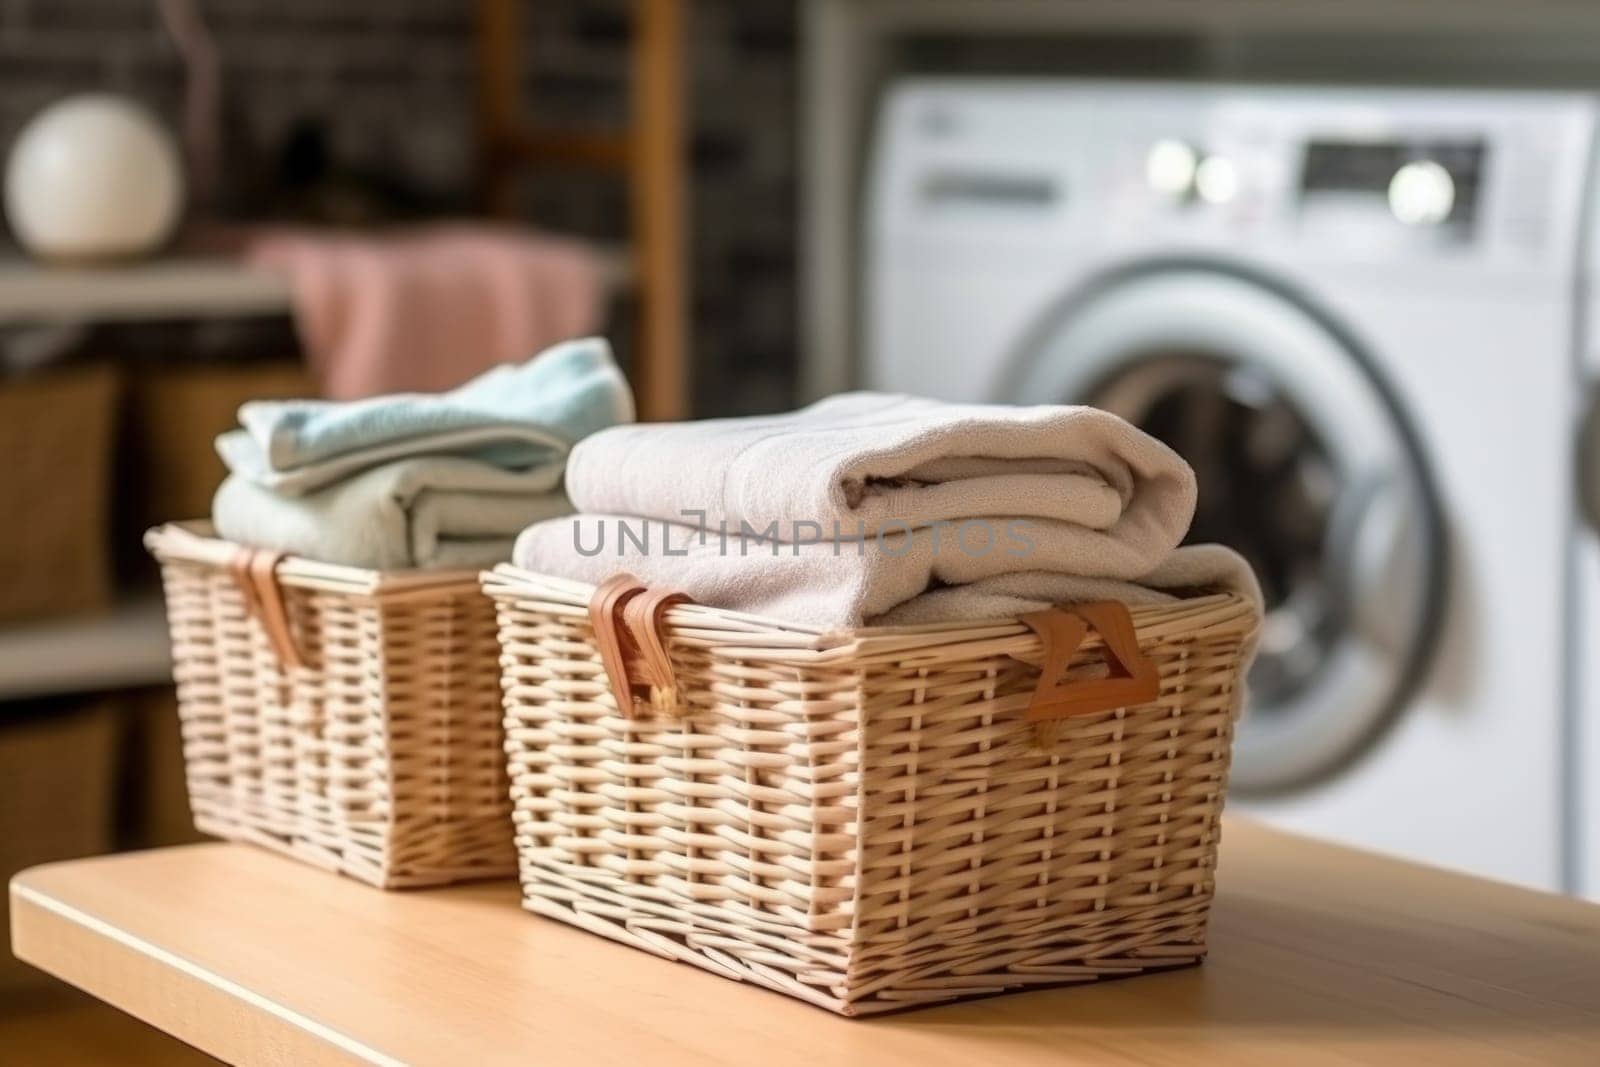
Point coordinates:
pixel 659 209
pixel 498 27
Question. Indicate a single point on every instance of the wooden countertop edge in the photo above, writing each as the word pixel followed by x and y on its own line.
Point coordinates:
pixel 219 1017
pixel 1323 956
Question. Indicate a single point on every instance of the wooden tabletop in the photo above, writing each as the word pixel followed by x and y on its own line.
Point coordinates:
pixel 1319 955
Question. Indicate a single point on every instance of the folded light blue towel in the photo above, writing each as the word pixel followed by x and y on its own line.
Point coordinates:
pixel 393 517
pixel 432 481
pixel 515 417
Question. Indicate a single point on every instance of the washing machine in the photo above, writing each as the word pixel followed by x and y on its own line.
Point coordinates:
pixel 1362 315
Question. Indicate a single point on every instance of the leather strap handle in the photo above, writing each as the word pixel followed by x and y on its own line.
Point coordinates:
pixel 645 615
pixel 1132 678
pixel 611 637
pixel 255 571
pixel 628 617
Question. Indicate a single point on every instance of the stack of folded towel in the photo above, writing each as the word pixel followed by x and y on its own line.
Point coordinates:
pixel 877 509
pixel 415 480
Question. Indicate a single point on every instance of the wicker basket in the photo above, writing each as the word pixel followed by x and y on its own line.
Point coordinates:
pixel 347 717
pixel 55 489
pixel 873 820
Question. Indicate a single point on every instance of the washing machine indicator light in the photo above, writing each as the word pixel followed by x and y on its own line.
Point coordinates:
pixel 1216 180
pixel 1422 193
pixel 1170 167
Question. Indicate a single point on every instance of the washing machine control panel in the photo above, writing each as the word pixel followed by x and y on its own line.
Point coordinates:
pixel 1358 174
pixel 1418 182
pixel 1423 192
pixel 1421 182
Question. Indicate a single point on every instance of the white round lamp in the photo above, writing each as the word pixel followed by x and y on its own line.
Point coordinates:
pixel 93 178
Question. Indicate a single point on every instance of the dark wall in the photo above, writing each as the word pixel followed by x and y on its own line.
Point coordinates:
pixel 366 105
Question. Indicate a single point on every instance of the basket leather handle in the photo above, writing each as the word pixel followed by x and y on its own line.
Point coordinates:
pixel 1132 678
pixel 627 616
pixel 255 571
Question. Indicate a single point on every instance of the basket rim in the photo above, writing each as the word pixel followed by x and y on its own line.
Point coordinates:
pixel 730 631
pixel 195 541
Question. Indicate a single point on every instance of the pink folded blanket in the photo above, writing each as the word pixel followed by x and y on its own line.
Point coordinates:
pixel 423 310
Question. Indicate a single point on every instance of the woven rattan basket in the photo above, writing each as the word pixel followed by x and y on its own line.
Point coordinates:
pixel 872 820
pixel 56 434
pixel 350 718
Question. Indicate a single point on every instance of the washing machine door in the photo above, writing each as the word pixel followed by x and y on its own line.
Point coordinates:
pixel 1305 467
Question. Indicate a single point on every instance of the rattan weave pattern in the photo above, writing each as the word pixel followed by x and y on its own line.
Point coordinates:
pixel 381 756
pixel 866 820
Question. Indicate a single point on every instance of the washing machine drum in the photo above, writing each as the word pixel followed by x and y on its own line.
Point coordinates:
pixel 1305 467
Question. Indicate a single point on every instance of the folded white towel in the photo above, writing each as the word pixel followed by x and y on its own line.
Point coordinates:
pixel 1117 501
pixel 899 578
pixel 876 509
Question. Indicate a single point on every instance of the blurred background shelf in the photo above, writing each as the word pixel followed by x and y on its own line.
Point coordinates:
pixel 189 288
pixel 179 288
pixel 574 121
pixel 125 647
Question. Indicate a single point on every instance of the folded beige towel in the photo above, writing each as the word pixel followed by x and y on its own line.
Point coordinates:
pixel 1117 500
pixel 898 579
pixel 872 509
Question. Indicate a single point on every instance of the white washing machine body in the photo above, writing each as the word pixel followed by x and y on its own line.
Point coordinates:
pixel 1390 286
